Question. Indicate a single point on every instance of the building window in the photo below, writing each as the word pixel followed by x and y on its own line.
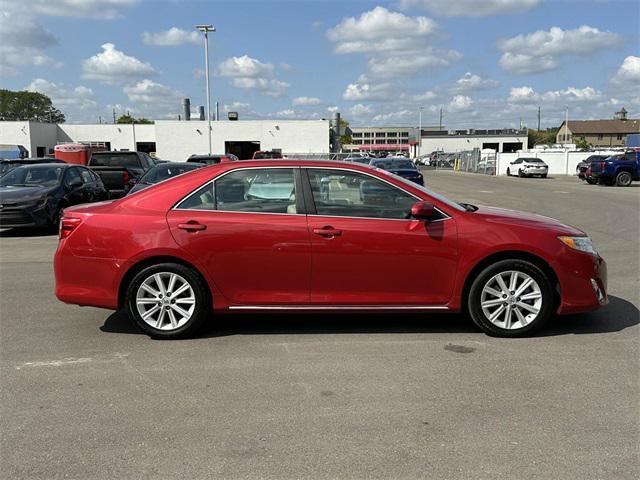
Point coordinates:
pixel 381 134
pixel 367 134
pixel 357 135
pixel 404 134
pixel 619 137
pixel 381 142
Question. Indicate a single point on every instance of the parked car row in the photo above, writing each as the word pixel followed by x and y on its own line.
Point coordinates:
pixel 620 169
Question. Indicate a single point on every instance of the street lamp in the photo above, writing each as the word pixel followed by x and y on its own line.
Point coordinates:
pixel 206 29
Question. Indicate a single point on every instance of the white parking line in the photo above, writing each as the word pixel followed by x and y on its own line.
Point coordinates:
pixel 485 191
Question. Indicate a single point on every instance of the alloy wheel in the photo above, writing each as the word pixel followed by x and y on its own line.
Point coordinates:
pixel 511 300
pixel 165 301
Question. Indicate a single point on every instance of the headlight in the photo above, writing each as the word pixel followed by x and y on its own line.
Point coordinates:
pixel 42 202
pixel 582 244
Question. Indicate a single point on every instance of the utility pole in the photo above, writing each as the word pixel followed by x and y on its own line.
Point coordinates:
pixel 206 29
pixel 538 117
pixel 420 132
pixel 114 116
pixel 566 124
pixel 440 119
pixel 133 130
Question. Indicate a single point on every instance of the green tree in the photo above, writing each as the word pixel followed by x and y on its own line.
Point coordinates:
pixel 28 106
pixel 130 119
pixel 546 137
pixel 345 138
pixel 582 143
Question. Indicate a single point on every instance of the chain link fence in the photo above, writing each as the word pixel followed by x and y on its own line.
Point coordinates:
pixel 472 161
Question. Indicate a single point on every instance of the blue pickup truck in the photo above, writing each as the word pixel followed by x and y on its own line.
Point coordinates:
pixel 618 170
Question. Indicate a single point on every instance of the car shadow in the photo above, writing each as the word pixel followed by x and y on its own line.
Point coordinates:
pixel 617 316
pixel 28 232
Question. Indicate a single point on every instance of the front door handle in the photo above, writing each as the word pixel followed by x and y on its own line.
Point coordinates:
pixel 191 226
pixel 327 232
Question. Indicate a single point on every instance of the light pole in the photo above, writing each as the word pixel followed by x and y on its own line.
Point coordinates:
pixel 206 29
pixel 566 125
pixel 420 132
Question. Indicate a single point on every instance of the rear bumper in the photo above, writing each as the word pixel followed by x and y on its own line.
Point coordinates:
pixel 86 281
pixel 583 283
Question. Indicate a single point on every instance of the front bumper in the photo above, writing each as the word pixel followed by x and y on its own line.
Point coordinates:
pixel 583 283
pixel 16 217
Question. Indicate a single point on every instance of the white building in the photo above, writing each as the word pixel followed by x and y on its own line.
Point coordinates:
pixel 502 141
pixel 176 140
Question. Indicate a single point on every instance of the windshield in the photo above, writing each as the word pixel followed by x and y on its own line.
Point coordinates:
pixel 431 193
pixel 45 176
pixel 164 171
pixel 115 160
pixel 7 167
pixel 394 164
pixel 532 160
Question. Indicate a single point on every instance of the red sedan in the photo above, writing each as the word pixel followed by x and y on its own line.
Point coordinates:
pixel 319 236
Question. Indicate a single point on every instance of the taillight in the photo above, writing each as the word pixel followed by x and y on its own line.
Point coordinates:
pixel 125 179
pixel 68 225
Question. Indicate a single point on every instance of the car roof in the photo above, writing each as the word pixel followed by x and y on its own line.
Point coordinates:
pixel 51 164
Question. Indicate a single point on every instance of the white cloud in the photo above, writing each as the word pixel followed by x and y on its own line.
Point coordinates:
pixel 459 103
pixel 379 30
pixel 629 72
pixel 240 107
pixel 154 99
pixel 101 9
pixel 426 96
pixel 268 86
pixel 171 37
pixel 112 66
pixel 359 110
pixel 470 82
pixel 399 116
pixel 66 99
pixel 410 64
pixel 244 66
pixel 471 8
pixel 367 91
pixel 27 48
pixel 333 109
pixel 527 95
pixel 248 73
pixel 541 51
pixel 306 101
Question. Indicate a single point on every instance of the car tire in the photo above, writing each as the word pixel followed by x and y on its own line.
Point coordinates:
pixel 544 175
pixel 508 172
pixel 178 317
pixel 520 174
pixel 501 313
pixel 623 179
pixel 591 181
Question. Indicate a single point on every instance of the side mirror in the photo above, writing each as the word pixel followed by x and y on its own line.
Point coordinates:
pixel 75 183
pixel 422 210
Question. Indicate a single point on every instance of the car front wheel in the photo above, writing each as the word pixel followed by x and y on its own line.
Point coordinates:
pixel 168 301
pixel 511 298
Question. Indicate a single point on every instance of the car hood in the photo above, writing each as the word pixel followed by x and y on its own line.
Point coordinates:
pixel 513 217
pixel 16 194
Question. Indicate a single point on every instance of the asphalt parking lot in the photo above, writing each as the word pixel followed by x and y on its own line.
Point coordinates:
pixel 85 395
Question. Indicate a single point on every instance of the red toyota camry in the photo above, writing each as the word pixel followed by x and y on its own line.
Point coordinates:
pixel 319 236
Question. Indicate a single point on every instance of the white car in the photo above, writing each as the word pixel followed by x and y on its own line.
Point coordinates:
pixel 528 167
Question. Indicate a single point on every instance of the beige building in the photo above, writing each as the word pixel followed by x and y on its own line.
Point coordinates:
pixel 599 133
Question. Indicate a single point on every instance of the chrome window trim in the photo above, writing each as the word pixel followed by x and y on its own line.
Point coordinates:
pixel 446 216
pixel 175 207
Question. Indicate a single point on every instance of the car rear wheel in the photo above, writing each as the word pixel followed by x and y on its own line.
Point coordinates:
pixel 511 298
pixel 168 301
pixel 623 179
pixel 508 172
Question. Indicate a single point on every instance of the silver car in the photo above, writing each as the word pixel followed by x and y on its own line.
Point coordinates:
pixel 528 167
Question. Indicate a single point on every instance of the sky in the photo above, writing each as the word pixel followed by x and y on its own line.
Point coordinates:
pixel 484 63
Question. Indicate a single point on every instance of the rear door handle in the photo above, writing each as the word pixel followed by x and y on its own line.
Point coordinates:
pixel 327 232
pixel 192 226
